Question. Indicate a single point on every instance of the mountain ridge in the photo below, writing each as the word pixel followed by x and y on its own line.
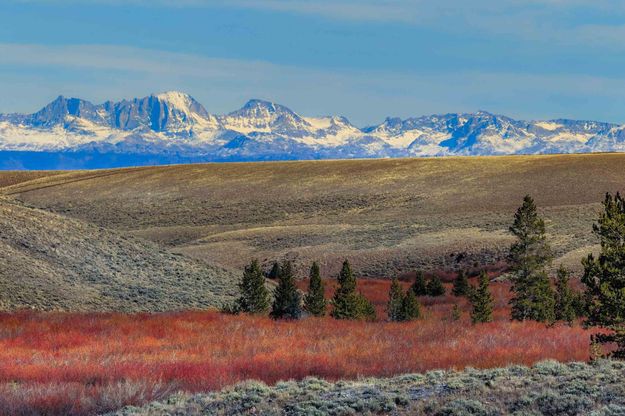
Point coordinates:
pixel 173 127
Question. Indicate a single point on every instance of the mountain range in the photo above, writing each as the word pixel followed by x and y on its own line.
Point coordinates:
pixel 172 127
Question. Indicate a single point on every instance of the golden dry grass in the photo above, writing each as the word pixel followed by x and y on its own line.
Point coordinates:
pixel 388 216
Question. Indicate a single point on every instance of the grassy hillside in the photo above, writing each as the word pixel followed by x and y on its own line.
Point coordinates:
pixel 549 388
pixel 387 216
pixel 50 262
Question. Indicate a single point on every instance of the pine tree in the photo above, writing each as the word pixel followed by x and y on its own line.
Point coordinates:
pixel 533 298
pixel 346 300
pixel 287 299
pixel 455 313
pixel 435 287
pixel 314 301
pixel 461 284
pixel 410 308
pixel 349 304
pixel 604 276
pixel 565 298
pixel 254 296
pixel 395 301
pixel 481 301
pixel 419 287
pixel 579 304
pixel 366 310
pixel 274 273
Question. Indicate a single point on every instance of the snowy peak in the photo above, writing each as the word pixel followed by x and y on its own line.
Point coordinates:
pixel 264 116
pixel 181 102
pixel 59 110
pixel 172 127
pixel 166 112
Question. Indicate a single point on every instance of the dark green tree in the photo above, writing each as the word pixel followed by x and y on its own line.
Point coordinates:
pixel 456 314
pixel 346 299
pixel 287 303
pixel 395 301
pixel 274 273
pixel 579 304
pixel 604 276
pixel 461 284
pixel 410 308
pixel 366 310
pixel 419 286
pixel 435 287
pixel 347 302
pixel 314 301
pixel 254 296
pixel 481 301
pixel 532 298
pixel 565 298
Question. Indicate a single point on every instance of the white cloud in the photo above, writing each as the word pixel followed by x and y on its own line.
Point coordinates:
pixel 564 23
pixel 100 72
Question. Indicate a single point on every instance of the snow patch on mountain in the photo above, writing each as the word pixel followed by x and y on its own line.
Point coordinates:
pixel 174 126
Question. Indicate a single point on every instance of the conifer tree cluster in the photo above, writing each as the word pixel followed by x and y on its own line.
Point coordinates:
pixel 254 298
pixel 461 284
pixel 395 301
pixel 433 287
pixel 402 306
pixel 287 302
pixel 533 298
pixel 604 276
pixel 314 301
pixel 481 301
pixel 419 287
pixel 347 302
pixel 565 307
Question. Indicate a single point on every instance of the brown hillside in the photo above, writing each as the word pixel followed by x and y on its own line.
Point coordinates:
pixel 50 262
pixel 386 215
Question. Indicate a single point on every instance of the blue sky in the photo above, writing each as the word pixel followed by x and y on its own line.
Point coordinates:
pixel 360 58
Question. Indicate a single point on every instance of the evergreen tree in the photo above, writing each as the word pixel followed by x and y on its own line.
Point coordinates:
pixel 419 287
pixel 579 304
pixel 287 299
pixel 461 284
pixel 314 301
pixel 604 276
pixel 274 273
pixel 346 300
pixel 254 296
pixel 455 312
pixel 410 308
pixel 395 301
pixel 366 310
pixel 529 256
pixel 481 301
pixel 435 287
pixel 565 298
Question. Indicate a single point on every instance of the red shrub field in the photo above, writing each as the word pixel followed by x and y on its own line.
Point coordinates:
pixel 71 363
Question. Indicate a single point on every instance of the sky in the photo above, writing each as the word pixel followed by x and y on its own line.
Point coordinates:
pixel 363 59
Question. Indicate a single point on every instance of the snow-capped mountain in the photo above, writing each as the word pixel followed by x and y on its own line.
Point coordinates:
pixel 173 127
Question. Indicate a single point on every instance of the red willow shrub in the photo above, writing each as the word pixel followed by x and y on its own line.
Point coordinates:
pixel 76 364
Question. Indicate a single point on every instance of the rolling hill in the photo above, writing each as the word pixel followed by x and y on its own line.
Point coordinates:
pixel 387 216
pixel 51 262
